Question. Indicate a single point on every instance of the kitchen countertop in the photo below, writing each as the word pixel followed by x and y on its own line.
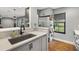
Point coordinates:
pixel 76 32
pixel 6 45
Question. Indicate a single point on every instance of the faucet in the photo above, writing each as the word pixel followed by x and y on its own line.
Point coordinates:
pixel 22 27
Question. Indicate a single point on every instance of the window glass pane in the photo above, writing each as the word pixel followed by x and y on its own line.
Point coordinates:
pixel 59 27
pixel 61 24
pixel 56 28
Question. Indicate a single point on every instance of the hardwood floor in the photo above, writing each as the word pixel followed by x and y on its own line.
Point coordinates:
pixel 60 46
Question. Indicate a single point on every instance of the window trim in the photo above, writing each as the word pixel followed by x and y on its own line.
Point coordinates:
pixel 61 22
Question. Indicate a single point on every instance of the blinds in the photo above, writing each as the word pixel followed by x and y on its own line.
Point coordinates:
pixel 60 16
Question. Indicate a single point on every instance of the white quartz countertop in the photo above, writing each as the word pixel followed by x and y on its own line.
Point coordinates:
pixel 76 32
pixel 9 29
pixel 6 45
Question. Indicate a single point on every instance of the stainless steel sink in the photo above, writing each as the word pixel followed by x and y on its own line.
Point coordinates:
pixel 20 38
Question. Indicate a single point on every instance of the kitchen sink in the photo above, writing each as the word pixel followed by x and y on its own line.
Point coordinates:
pixel 20 38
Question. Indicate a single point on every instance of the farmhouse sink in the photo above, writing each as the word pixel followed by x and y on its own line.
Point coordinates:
pixel 20 38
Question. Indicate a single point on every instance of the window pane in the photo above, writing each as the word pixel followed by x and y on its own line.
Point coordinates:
pixel 61 24
pixel 59 27
pixel 56 28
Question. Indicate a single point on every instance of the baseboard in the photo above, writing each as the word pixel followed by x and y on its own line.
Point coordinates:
pixel 65 41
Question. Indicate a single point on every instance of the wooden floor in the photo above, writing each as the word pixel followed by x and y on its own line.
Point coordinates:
pixel 60 46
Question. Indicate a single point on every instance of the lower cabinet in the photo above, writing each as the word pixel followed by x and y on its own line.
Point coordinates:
pixel 39 44
pixel 35 45
pixel 44 43
pixel 24 47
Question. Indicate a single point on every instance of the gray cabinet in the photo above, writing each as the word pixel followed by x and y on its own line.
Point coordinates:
pixel 36 45
pixel 24 47
pixel 39 44
pixel 44 43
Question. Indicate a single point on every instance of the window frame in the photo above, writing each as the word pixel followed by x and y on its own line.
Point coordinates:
pixel 61 22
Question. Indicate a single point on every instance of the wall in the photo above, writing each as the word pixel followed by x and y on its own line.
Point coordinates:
pixel 46 11
pixel 9 11
pixel 19 20
pixel 5 23
pixel 44 21
pixel 72 21
pixel 33 17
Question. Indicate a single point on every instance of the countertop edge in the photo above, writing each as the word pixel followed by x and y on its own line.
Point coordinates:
pixel 24 42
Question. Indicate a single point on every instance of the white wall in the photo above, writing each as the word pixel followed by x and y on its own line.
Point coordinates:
pixel 5 23
pixel 72 21
pixel 33 17
pixel 47 11
pixel 43 21
pixel 19 20
pixel 9 12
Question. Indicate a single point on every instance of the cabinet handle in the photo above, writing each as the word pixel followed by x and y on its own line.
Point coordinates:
pixel 30 46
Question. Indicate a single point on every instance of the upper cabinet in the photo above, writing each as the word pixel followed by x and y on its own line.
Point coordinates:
pixel 45 12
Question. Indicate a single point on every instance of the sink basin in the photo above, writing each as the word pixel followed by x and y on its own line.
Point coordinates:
pixel 20 38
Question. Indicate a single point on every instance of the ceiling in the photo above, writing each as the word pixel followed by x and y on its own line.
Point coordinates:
pixel 12 11
pixel 47 7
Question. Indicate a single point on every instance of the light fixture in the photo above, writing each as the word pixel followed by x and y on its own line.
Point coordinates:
pixel 14 17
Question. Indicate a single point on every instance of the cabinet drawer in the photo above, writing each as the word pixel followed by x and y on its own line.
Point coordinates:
pixel 24 47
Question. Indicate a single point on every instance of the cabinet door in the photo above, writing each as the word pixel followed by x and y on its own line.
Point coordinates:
pixel 35 45
pixel 44 43
pixel 24 47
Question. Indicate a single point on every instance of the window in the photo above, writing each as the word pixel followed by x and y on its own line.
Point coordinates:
pixel 59 23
